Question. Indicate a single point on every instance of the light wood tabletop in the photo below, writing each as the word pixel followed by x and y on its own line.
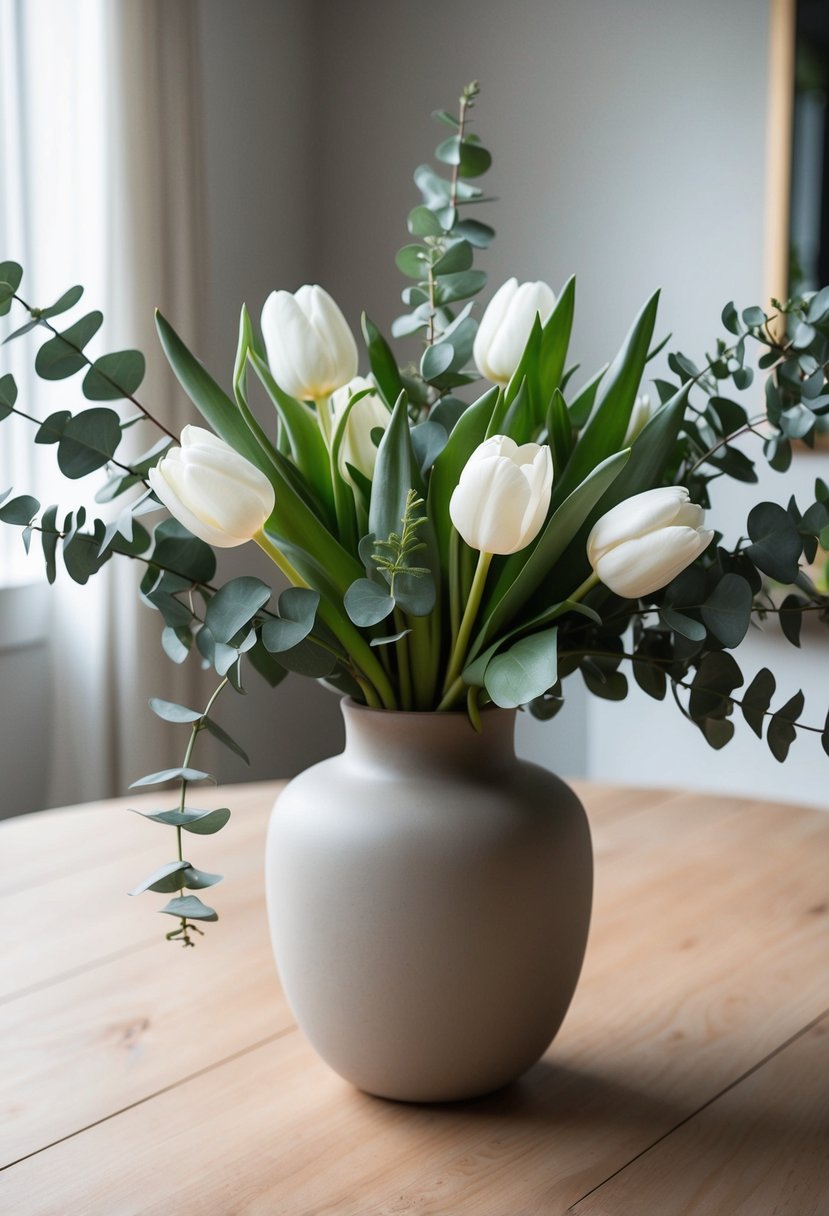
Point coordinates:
pixel 691 1074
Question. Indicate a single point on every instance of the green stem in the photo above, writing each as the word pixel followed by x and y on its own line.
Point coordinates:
pixel 404 673
pixel 454 585
pixel 352 642
pixel 456 662
pixel 324 419
pixel 194 732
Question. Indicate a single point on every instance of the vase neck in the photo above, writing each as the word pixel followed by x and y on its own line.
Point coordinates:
pixel 419 743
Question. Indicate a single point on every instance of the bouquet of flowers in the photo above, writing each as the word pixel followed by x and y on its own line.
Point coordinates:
pixel 446 548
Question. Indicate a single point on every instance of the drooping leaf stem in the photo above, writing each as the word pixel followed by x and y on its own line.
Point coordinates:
pixel 664 665
pixel 35 313
pixel 183 931
pixel 372 678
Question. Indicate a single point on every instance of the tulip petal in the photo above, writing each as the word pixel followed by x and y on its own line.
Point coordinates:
pixel 636 516
pixel 644 564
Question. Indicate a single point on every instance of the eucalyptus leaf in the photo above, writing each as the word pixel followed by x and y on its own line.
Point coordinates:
pixel 20 510
pixel 727 611
pixel 63 356
pixel 524 671
pixel 189 907
pixel 172 774
pixel 164 878
pixel 113 376
pixel 8 395
pixel 171 712
pixel 234 605
pixel 781 731
pixel 367 603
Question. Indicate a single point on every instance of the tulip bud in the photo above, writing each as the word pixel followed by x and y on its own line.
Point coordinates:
pixel 501 500
pixel 641 544
pixel 207 486
pixel 358 448
pixel 311 350
pixel 640 416
pixel 506 326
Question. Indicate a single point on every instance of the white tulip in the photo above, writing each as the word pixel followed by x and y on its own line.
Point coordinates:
pixel 358 448
pixel 311 350
pixel 506 326
pixel 640 416
pixel 501 500
pixel 217 494
pixel 641 544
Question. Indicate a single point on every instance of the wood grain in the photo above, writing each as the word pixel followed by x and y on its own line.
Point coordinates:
pixel 762 1149
pixel 188 1089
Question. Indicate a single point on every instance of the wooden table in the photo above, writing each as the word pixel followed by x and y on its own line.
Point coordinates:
pixel 691 1074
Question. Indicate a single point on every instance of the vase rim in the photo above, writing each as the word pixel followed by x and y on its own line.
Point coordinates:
pixel 347 703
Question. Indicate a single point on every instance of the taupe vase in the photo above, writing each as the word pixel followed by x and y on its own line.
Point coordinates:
pixel 429 898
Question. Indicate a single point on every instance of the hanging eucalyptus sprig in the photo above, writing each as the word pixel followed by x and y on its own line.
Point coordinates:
pixel 180 875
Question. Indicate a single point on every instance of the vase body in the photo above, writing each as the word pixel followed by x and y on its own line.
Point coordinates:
pixel 429 899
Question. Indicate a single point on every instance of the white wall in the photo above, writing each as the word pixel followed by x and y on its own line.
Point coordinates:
pixel 629 144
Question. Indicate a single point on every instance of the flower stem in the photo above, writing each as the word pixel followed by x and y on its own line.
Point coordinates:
pixel 352 642
pixel 470 612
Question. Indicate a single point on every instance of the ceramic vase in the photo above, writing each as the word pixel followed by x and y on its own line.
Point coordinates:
pixel 429 897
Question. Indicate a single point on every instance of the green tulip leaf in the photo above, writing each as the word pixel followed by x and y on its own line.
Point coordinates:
pixel 383 364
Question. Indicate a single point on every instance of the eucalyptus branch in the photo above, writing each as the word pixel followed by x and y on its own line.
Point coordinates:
pixel 664 665
pixel 466 101
pixel 747 427
pixel 184 928
pixel 12 409
pixel 36 314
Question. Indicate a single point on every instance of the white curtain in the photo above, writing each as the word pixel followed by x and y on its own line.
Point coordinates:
pixel 108 194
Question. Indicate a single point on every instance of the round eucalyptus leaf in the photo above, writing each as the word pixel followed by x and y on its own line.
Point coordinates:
pixel 367 603
pixel 8 395
pixel 68 300
pixel 62 355
pixel 171 712
pixel 113 376
pixel 436 360
pixel 88 441
pixel 189 907
pixel 411 261
pixel 423 222
pixel 234 605
pixel 727 611
pixel 525 671
pixel 20 510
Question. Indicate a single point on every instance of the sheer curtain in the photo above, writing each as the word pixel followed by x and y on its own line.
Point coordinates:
pixel 100 121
